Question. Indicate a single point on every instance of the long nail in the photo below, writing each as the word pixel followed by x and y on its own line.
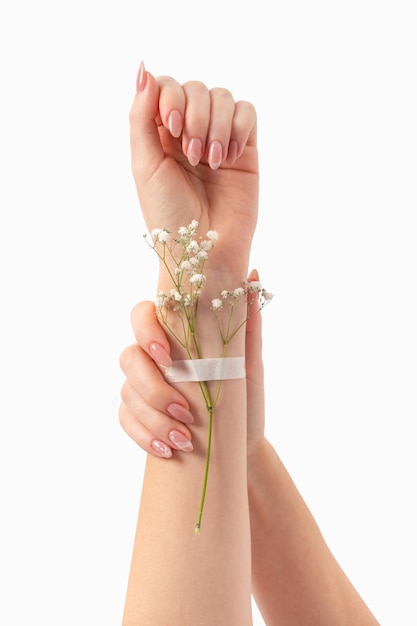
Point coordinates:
pixel 253 276
pixel 141 78
pixel 161 449
pixel 175 123
pixel 215 155
pixel 159 354
pixel 180 413
pixel 180 441
pixel 194 150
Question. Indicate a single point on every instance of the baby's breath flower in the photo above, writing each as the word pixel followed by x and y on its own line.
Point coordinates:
pixel 161 234
pixel 267 296
pixel 160 300
pixel 197 278
pixel 184 258
pixel 164 236
pixel 254 286
pixel 155 232
pixel 193 247
pixel 206 245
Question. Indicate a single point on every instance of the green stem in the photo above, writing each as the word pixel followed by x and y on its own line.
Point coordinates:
pixel 203 494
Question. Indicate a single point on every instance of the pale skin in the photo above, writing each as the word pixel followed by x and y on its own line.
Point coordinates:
pixel 295 578
pixel 258 535
pixel 194 157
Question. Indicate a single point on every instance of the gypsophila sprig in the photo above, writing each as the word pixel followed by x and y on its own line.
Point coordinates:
pixel 223 306
pixel 184 256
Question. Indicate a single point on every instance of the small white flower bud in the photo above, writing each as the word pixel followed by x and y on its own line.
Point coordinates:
pixel 197 278
pixel 213 235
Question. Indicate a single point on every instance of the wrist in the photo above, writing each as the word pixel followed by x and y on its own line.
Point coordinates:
pixel 256 454
pixel 204 322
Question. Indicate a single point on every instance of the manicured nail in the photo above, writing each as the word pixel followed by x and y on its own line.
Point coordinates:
pixel 194 151
pixel 215 155
pixel 161 449
pixel 180 441
pixel 159 354
pixel 233 150
pixel 253 276
pixel 141 78
pixel 175 123
pixel 180 413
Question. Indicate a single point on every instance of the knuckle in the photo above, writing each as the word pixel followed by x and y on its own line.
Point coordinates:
pixel 221 93
pixel 194 86
pixel 122 415
pixel 152 395
pixel 125 393
pixel 126 357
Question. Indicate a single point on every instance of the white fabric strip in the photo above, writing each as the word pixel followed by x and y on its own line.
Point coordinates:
pixel 226 368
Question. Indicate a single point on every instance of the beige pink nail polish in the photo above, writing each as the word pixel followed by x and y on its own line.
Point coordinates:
pixel 180 441
pixel 194 151
pixel 215 155
pixel 180 413
pixel 161 448
pixel 175 123
pixel 141 78
pixel 159 354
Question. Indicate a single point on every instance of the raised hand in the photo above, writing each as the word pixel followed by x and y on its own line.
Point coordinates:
pixel 194 157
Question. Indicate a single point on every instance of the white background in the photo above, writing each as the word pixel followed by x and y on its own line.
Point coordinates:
pixel 334 84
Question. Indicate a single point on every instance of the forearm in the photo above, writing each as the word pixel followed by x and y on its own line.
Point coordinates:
pixel 176 576
pixel 296 579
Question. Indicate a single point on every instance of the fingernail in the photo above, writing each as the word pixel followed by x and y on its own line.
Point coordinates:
pixel 215 155
pixel 141 78
pixel 181 441
pixel 233 150
pixel 253 276
pixel 194 151
pixel 159 354
pixel 175 123
pixel 180 413
pixel 161 449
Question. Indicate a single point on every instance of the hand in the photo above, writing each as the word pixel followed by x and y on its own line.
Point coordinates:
pixel 153 412
pixel 194 157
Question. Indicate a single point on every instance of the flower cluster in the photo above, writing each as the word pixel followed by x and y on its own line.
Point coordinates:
pixel 184 257
pixel 224 306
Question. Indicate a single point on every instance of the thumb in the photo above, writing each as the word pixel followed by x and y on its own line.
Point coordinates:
pixel 146 149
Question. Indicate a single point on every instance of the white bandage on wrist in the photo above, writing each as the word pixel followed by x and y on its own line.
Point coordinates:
pixel 198 370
